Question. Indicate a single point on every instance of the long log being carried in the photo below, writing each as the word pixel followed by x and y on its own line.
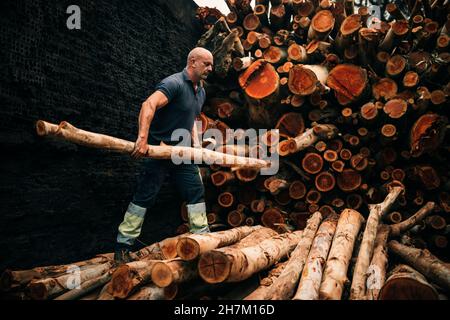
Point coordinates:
pixel 95 140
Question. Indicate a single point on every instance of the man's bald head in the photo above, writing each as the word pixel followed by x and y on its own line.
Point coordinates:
pixel 198 53
pixel 199 63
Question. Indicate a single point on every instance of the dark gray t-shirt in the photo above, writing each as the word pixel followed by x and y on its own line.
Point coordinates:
pixel 183 107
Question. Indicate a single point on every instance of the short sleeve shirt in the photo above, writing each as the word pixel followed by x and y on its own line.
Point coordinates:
pixel 183 107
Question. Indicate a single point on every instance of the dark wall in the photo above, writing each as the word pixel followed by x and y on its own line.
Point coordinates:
pixel 60 202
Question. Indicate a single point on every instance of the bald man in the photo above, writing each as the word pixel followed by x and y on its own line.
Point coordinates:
pixel 176 102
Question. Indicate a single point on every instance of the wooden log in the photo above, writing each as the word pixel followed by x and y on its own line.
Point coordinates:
pixel 275 55
pixel 405 283
pixel 399 228
pixel 297 53
pixel 307 138
pixel 246 175
pixel 385 88
pixel 190 247
pixel 279 18
pixel 348 81
pixel 236 218
pixel 12 279
pixel 311 278
pixel 260 80
pixel 106 292
pixel 284 286
pixel 265 283
pixel 297 190
pixel 325 181
pixel 321 25
pixel 153 292
pixel 349 180
pixel 273 218
pixel 312 163
pixel 395 108
pixel 220 178
pixel 226 199
pixel 354 201
pixel 95 140
pixel 347 31
pixel 335 273
pixel 42 289
pixel 131 276
pixel 164 249
pixel 251 22
pixel 85 288
pixel 234 265
pixel 398 31
pixel 290 125
pixel 260 11
pixel 377 211
pixel 395 66
pixel 167 272
pixel 427 134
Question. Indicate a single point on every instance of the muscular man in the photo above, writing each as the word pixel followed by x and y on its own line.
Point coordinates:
pixel 176 102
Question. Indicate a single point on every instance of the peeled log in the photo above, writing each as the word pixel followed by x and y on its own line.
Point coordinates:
pixel 427 133
pixel 234 265
pixel 95 140
pixel 308 288
pixel 165 249
pixel 376 272
pixel 265 283
pixel 284 286
pixel 377 211
pixel 190 247
pixel 335 273
pixel 153 292
pixel 168 272
pixel 50 287
pixel 348 81
pixel 423 261
pixel 405 283
pixel 307 138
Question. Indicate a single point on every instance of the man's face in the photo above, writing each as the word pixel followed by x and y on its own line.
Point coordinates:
pixel 203 66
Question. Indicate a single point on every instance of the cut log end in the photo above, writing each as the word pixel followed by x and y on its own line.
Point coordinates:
pixel 214 267
pixel 395 108
pixel 349 180
pixel 121 282
pixel 297 190
pixel 302 81
pixel 260 80
pixel 312 163
pixel 325 181
pixel 162 275
pixel 188 249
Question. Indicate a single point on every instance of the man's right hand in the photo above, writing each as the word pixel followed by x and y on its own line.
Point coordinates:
pixel 140 148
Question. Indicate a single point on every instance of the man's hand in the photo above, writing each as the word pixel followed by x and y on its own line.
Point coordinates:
pixel 140 148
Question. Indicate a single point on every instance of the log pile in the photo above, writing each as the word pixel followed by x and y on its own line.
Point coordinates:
pixel 359 207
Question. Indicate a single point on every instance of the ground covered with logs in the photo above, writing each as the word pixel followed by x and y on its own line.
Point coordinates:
pixel 360 206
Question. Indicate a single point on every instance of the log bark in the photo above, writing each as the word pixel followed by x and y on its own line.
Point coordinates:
pixel 11 279
pixel 376 272
pixel 85 288
pixel 399 228
pixel 284 286
pixel 234 265
pixel 405 283
pixel 153 292
pixel 190 247
pixel 335 273
pixel 311 278
pixel 377 211
pixel 48 288
pixel 265 283
pixel 423 261
pixel 95 140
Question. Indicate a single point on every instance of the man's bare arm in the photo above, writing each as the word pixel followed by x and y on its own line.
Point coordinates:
pixel 154 102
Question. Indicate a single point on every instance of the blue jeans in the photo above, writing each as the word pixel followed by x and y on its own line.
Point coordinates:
pixel 187 180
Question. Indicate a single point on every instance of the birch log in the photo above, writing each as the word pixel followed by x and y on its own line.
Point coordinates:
pixel 308 288
pixel 358 287
pixel 234 265
pixel 284 286
pixel 335 273
pixel 70 133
